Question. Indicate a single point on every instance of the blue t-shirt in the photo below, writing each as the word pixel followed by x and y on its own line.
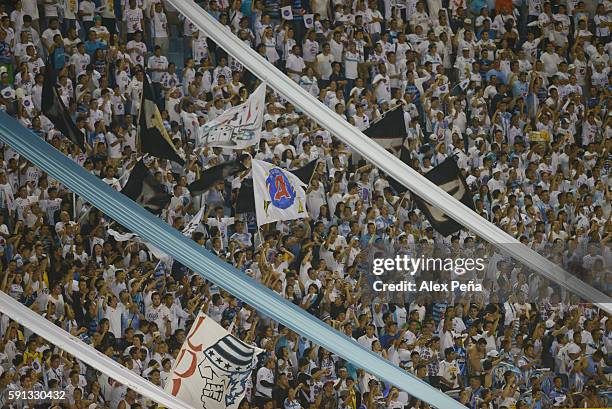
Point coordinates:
pixel 59 58
pixel 92 46
pixel 5 53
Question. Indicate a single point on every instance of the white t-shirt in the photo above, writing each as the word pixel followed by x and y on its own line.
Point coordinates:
pixel 351 60
pixel 264 374
pixel 156 62
pixel 113 151
pixel 137 56
pixel 295 63
pixel 87 7
pixel 160 25
pixel 383 88
pixel 324 65
pixel 133 18
pixel 447 370
pixel 113 315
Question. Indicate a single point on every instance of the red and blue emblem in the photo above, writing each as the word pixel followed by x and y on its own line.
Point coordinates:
pixel 282 192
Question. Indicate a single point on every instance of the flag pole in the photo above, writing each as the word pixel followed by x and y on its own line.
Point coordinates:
pixel 401 201
pixel 260 236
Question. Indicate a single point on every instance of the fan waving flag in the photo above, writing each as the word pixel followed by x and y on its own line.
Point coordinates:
pixel 305 172
pixel 279 194
pixel 212 176
pixel 193 223
pixel 239 126
pixel 53 108
pixel 449 178
pixel 143 188
pixel 212 367
pixel 390 130
pixel 153 137
pixel 308 20
pixel 245 201
pixel 287 13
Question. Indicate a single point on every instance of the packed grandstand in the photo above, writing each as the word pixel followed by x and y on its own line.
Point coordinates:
pixel 514 91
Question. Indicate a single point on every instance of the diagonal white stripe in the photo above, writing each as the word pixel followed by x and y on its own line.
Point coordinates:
pixel 385 161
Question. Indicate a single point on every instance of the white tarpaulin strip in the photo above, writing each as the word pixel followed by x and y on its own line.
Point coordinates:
pixel 86 353
pixel 157 232
pixel 384 160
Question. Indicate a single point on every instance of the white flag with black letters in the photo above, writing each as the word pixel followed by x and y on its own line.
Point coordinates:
pixel 238 127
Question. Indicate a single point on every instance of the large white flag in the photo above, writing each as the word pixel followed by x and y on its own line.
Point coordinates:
pixel 122 236
pixel 212 367
pixel 239 126
pixel 279 194
pixel 160 255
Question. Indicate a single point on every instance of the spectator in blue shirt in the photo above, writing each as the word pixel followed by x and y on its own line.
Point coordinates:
pixel 520 87
pixel 92 44
pixel 57 54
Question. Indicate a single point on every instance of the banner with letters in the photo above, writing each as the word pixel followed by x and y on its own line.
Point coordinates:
pixel 237 127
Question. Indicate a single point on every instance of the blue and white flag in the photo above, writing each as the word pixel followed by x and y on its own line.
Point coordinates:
pixel 212 368
pixel 239 126
pixel 287 13
pixel 279 194
pixel 308 20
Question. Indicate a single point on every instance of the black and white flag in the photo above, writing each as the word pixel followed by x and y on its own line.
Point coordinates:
pixel 153 137
pixel 389 130
pixel 449 178
pixel 53 108
pixel 143 188
pixel 212 368
pixel 193 223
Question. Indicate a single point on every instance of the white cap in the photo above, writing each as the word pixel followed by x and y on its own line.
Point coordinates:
pixel 493 353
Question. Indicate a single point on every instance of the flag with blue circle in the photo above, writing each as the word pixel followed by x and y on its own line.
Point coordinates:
pixel 308 20
pixel 279 194
pixel 287 13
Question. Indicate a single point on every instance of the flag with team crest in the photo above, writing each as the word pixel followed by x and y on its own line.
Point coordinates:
pixel 239 126
pixel 308 20
pixel 287 13
pixel 279 194
pixel 212 367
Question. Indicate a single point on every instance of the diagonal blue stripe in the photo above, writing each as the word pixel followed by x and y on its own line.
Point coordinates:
pixel 171 241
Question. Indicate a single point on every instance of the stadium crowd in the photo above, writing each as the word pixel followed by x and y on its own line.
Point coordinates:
pixel 516 91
